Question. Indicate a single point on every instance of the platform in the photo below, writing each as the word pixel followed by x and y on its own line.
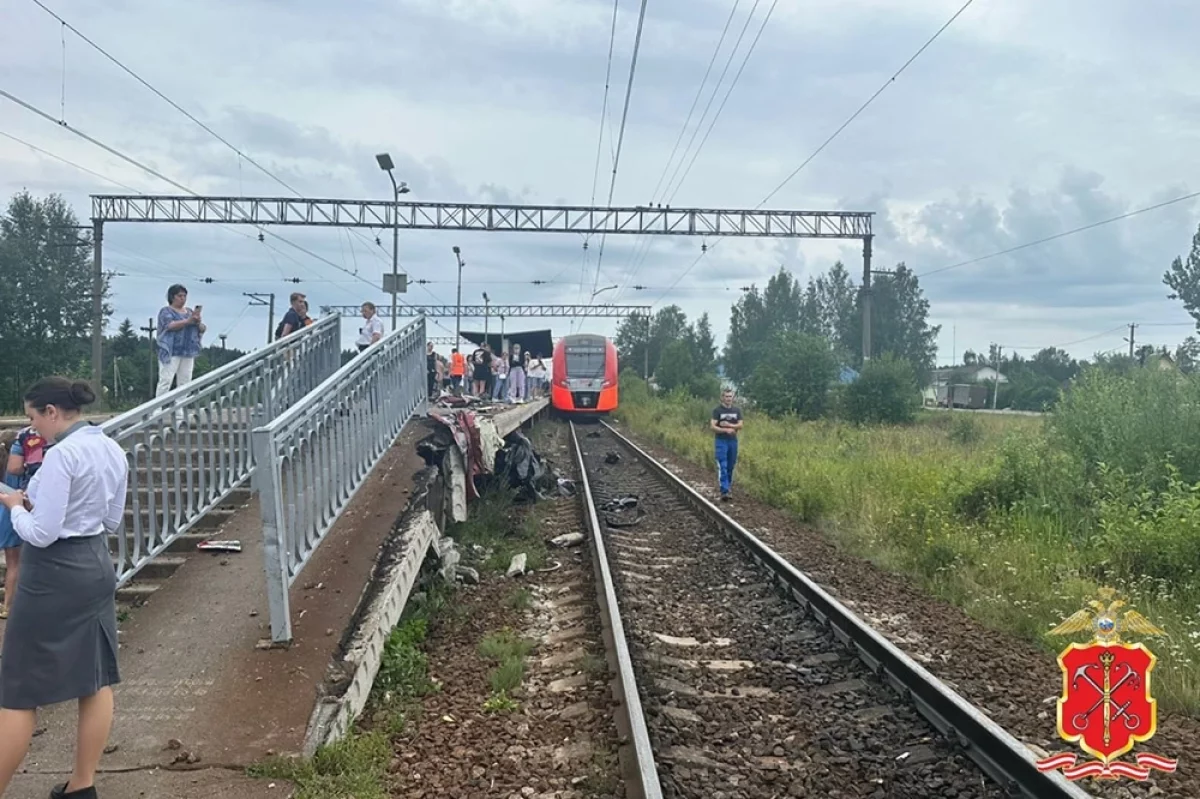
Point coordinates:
pixel 198 686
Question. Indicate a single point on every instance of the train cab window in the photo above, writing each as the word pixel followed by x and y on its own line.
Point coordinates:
pixel 585 361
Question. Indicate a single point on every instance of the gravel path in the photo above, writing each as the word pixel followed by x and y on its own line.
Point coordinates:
pixel 745 696
pixel 1008 678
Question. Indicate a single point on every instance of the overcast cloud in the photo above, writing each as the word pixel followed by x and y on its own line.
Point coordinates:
pixel 1024 119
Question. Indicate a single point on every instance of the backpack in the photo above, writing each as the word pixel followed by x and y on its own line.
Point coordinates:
pixel 279 330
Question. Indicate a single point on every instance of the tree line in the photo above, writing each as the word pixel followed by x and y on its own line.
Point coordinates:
pixel 46 295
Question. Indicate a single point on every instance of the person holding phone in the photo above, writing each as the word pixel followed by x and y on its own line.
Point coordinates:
pixel 60 643
pixel 180 330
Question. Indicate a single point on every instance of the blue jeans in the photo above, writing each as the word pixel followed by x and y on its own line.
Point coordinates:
pixel 726 452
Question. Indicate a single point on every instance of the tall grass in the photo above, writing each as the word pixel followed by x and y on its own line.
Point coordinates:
pixel 1018 520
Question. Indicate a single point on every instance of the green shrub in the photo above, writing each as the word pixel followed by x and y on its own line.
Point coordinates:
pixel 794 378
pixel 964 429
pixel 1132 423
pixel 884 393
pixel 1156 534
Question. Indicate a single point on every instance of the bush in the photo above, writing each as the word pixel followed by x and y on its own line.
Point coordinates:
pixel 794 377
pixel 1133 423
pixel 884 393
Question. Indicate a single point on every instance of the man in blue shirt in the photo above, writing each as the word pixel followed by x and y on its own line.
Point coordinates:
pixel 726 423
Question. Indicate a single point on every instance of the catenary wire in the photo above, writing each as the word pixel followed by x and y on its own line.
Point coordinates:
pixel 834 135
pixel 612 185
pixel 1063 234
pixel 133 74
pixel 640 248
pixel 143 167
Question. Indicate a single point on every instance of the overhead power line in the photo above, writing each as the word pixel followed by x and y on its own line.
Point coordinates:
pixel 153 89
pixel 140 165
pixel 833 136
pixel 870 100
pixel 1063 234
pixel 612 185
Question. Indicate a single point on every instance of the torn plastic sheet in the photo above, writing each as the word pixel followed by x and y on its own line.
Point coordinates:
pixel 622 511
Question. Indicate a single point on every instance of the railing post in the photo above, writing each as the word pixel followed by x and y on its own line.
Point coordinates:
pixel 258 418
pixel 275 554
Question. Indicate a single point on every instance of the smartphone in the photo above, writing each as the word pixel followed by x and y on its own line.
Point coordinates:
pixel 198 308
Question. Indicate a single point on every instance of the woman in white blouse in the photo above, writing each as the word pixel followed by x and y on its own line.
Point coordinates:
pixel 60 643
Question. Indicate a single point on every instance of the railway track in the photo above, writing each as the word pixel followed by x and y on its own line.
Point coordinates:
pixel 738 677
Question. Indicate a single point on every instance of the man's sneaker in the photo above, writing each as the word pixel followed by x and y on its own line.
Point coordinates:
pixel 724 496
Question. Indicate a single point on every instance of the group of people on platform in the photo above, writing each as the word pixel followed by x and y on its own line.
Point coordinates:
pixel 511 376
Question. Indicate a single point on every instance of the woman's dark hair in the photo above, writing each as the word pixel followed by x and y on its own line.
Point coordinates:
pixel 175 290
pixel 64 394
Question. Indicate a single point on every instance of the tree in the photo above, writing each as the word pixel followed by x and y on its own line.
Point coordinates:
pixel 900 322
pixel 1183 278
pixel 885 393
pixel 836 306
pixel 45 292
pixel 704 344
pixel 1187 355
pixel 796 378
pixel 748 334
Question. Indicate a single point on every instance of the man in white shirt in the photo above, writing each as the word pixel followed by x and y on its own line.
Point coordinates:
pixel 372 329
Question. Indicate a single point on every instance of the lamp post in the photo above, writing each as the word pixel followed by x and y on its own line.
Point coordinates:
pixel 385 163
pixel 485 318
pixel 502 332
pixel 458 303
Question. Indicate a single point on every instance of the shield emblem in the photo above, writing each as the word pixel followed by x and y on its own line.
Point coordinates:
pixel 1106 706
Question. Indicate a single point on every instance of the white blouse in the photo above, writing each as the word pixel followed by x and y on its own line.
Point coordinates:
pixel 79 490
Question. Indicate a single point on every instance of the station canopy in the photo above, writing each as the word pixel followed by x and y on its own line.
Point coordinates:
pixel 537 342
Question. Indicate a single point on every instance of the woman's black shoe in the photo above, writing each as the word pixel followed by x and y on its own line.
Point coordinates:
pixel 60 792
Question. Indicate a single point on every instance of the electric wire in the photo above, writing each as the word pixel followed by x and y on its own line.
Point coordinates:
pixel 640 249
pixel 612 185
pixel 1045 239
pixel 833 136
pixel 154 90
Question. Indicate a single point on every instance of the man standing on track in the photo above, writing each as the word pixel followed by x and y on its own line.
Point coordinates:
pixel 726 423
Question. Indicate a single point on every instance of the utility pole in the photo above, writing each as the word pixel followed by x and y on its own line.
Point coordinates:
pixel 150 330
pixel 866 300
pixel 98 312
pixel 996 366
pixel 269 301
pixel 223 336
pixel 1132 327
pixel 458 302
pixel 502 347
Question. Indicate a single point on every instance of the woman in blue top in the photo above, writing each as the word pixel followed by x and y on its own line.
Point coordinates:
pixel 179 333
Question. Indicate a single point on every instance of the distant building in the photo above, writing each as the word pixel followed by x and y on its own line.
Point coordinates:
pixel 936 392
pixel 847 375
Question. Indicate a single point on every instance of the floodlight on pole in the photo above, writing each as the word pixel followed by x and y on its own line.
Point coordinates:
pixel 385 163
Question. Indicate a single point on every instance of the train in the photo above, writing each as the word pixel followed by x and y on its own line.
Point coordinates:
pixel 584 376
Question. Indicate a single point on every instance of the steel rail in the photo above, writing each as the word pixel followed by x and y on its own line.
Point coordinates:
pixel 629 704
pixel 1001 756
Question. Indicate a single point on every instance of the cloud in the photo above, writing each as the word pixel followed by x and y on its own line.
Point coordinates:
pixel 1024 119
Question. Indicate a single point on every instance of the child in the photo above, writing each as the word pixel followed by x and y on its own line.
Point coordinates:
pixel 24 459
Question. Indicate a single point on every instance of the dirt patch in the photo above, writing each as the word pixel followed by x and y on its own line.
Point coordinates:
pixel 1011 680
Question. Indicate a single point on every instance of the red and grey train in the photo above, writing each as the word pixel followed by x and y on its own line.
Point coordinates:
pixel 584 380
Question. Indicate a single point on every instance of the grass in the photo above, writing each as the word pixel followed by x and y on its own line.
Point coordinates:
pixel 355 767
pixel 508 651
pixel 1004 516
pixel 520 598
pixel 500 533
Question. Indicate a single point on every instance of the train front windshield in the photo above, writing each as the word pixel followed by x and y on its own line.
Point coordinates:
pixel 585 361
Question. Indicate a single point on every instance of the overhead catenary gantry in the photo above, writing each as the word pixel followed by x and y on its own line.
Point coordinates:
pixel 413 215
pixel 541 311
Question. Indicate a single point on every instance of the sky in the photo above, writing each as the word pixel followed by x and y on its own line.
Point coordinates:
pixel 1023 120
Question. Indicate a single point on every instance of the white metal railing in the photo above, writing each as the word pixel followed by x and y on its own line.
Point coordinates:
pixel 317 454
pixel 189 449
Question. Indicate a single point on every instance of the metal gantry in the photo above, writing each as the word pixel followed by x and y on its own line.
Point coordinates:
pixel 509 311
pixel 383 214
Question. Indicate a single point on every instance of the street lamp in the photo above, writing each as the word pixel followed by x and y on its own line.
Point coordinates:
pixel 485 318
pixel 458 304
pixel 601 291
pixel 385 163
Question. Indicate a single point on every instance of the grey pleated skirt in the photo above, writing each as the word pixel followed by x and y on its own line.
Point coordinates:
pixel 60 642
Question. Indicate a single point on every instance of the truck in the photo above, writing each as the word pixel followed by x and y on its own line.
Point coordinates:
pixel 962 395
